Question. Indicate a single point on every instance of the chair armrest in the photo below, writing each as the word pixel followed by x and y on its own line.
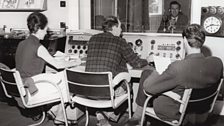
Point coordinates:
pixel 173 95
pixel 170 94
pixel 47 81
pixel 120 77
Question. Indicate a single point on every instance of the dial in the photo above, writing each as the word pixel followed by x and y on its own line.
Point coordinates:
pixel 212 24
pixel 220 10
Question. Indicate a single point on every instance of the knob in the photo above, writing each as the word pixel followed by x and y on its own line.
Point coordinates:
pixel 220 10
pixel 84 47
pixel 178 42
pixel 205 10
pixel 212 10
pixel 70 38
pixel 138 42
pixel 177 55
pixel 130 44
pixel 73 47
pixel 178 48
pixel 151 53
pixel 153 41
pixel 69 51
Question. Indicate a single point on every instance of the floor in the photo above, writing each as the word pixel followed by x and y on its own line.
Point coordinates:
pixel 11 116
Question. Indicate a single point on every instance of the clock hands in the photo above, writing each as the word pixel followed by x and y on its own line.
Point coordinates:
pixel 211 25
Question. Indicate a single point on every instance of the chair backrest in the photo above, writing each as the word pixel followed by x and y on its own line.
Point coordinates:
pixel 12 83
pixel 205 97
pixel 91 84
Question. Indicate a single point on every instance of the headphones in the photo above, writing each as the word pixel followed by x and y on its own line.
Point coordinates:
pixel 179 10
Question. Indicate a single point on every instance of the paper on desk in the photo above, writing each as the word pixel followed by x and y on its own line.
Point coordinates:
pixel 161 63
pixel 59 54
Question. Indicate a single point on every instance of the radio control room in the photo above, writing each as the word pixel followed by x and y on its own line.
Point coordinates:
pixel 111 62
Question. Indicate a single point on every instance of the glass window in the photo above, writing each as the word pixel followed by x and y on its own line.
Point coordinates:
pixel 152 16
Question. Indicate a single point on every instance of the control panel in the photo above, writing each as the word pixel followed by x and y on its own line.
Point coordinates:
pixel 76 44
pixel 170 46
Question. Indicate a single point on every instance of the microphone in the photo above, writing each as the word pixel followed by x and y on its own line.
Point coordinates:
pixel 164 20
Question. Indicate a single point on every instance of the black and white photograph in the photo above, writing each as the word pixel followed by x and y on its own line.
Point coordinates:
pixel 111 63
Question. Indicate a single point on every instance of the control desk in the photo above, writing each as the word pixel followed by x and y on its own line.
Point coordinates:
pixel 170 46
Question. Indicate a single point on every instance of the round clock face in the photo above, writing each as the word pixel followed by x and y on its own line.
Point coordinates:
pixel 212 24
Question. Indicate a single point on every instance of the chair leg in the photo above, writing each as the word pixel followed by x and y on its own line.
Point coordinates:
pixel 41 121
pixel 64 113
pixel 144 109
pixel 129 107
pixel 143 117
pixel 87 117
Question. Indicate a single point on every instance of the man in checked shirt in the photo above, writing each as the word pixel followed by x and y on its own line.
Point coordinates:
pixel 107 51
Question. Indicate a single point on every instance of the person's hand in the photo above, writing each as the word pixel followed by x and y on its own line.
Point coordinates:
pixel 150 58
pixel 76 61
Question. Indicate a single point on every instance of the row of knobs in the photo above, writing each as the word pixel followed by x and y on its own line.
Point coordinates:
pixel 213 10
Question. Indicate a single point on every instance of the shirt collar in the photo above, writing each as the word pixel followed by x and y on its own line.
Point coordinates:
pixel 195 55
pixel 34 38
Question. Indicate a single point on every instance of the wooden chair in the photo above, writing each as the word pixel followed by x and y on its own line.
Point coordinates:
pixel 185 102
pixel 86 85
pixel 13 87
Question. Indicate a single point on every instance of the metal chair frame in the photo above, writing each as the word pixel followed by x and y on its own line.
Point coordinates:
pixel 184 101
pixel 13 87
pixel 112 102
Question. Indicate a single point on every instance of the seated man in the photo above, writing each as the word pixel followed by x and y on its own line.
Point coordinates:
pixel 107 51
pixel 195 71
pixel 176 21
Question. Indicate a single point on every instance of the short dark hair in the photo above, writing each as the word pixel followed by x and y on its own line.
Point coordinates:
pixel 36 21
pixel 195 35
pixel 109 22
pixel 175 2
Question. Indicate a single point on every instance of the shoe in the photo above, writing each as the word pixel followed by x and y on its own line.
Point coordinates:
pixel 103 122
pixel 59 123
pixel 51 115
pixel 62 123
pixel 132 122
pixel 102 119
pixel 37 117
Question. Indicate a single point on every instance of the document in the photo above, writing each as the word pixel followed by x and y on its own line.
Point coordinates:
pixel 161 63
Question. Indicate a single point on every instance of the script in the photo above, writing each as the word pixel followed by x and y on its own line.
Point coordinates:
pixel 161 63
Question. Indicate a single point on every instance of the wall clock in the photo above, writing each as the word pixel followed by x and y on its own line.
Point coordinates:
pixel 212 24
pixel 212 19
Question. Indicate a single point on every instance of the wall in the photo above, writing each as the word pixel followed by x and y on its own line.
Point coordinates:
pixel 55 14
pixel 215 44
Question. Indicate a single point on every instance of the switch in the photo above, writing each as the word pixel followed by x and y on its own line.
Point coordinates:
pixel 62 25
pixel 62 4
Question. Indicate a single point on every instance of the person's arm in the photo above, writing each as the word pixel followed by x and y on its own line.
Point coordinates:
pixel 131 57
pixel 157 84
pixel 43 53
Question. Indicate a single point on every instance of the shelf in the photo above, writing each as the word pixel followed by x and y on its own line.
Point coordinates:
pixel 23 6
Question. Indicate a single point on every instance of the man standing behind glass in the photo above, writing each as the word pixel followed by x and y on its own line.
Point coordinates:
pixel 175 22
pixel 107 51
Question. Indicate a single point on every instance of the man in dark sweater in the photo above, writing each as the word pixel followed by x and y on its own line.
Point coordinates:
pixel 195 71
